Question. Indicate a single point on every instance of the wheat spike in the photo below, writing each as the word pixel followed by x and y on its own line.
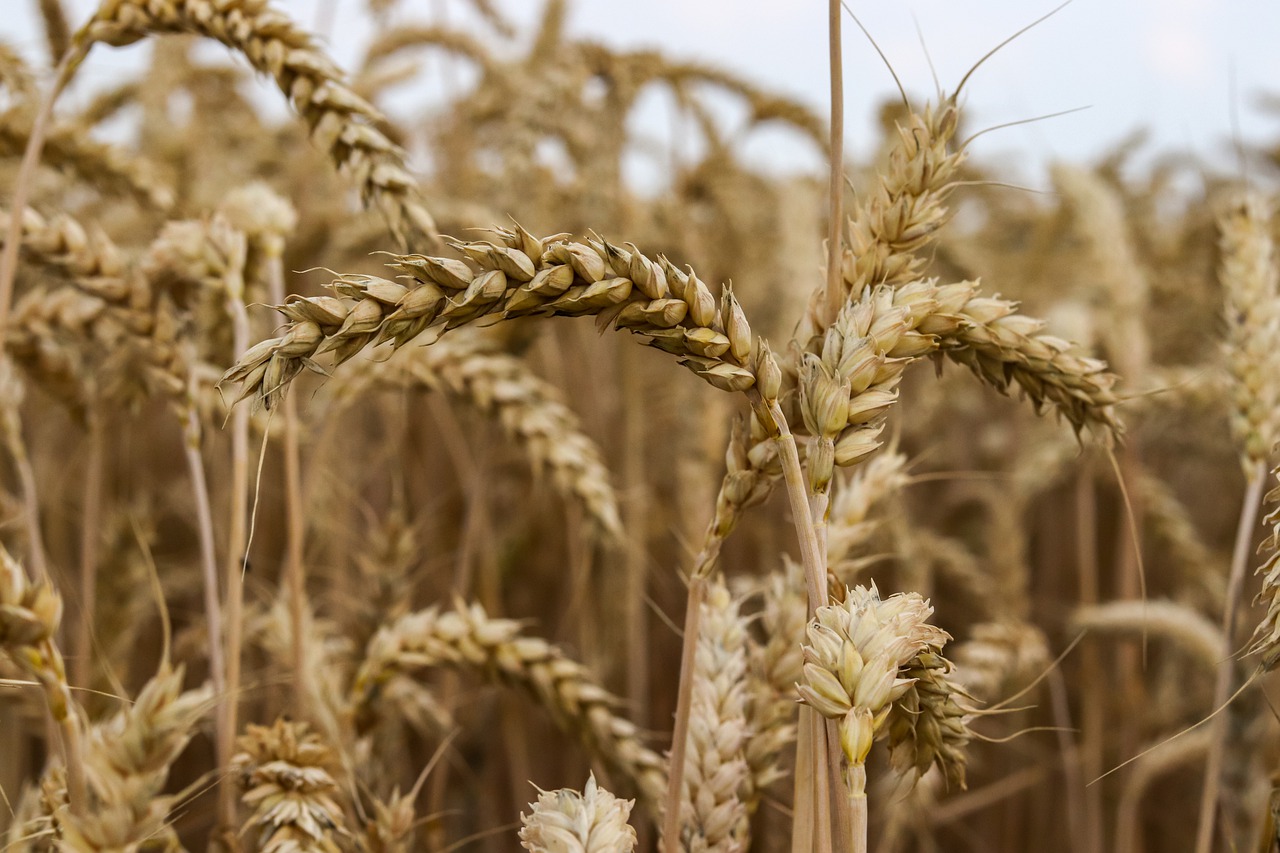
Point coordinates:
pixel 466 637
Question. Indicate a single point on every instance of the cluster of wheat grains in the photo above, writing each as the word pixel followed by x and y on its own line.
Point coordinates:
pixel 388 559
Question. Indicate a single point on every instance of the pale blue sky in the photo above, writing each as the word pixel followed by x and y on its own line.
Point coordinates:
pixel 1160 64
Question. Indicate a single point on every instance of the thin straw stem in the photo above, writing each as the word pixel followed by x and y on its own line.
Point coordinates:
pixel 1226 669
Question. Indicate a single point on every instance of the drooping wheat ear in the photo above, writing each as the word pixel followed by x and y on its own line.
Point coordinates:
pixel 928 725
pixel 1196 634
pixel 1266 637
pixel 531 411
pixel 565 821
pixel 520 275
pixel 284 771
pixel 1004 348
pixel 127 760
pixel 776 666
pixel 63 243
pixel 466 637
pixel 998 656
pixel 713 813
pixel 1251 287
pixel 29 617
pixel 69 147
pixel 857 667
pixel 341 122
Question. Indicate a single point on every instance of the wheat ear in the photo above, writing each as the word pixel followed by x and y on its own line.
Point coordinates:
pixel 519 275
pixel 341 122
pixel 466 637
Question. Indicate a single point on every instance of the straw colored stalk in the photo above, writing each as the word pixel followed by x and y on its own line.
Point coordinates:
pixel 29 617
pixel 127 759
pixel 340 121
pixel 531 411
pixel 266 220
pixel 565 821
pixel 467 638
pixel 713 811
pixel 284 770
pixel 519 275
pixel 1251 285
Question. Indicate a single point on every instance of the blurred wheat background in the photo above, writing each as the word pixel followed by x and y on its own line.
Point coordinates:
pixel 327 527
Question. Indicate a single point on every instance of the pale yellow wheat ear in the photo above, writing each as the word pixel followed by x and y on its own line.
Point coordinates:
pixel 467 638
pixel 30 614
pixel 713 808
pixel 284 770
pixel 341 122
pixel 127 760
pixel 1194 633
pixel 1251 286
pixel 566 821
pixel 516 275
pixel 864 655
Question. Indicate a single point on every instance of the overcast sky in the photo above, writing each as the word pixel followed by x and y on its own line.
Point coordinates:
pixel 1166 65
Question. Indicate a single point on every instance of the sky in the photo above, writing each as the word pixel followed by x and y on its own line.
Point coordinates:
pixel 1179 68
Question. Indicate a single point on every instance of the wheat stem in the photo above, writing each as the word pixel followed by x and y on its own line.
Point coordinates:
pixel 1226 668
pixel 237 535
pixel 204 522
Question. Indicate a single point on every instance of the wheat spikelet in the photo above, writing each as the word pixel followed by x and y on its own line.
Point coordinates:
pixel 530 410
pixel 340 121
pixel 284 769
pixel 466 637
pixel 29 619
pixel 517 276
pixel 928 725
pixel 713 815
pixel 565 821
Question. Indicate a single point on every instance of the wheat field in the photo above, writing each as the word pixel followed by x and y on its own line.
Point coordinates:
pixel 933 515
